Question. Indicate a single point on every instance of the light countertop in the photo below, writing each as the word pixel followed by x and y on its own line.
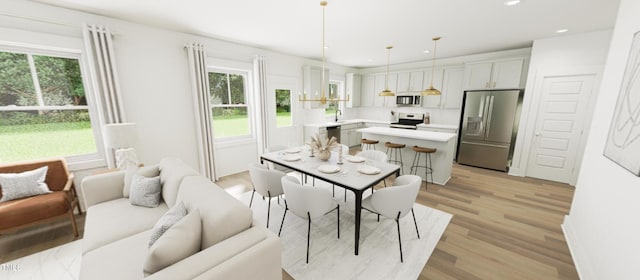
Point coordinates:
pixel 409 133
pixel 344 122
pixel 433 125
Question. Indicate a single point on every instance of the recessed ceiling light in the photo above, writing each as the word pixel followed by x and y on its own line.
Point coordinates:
pixel 426 51
pixel 512 2
pixel 370 60
pixel 326 47
pixel 562 30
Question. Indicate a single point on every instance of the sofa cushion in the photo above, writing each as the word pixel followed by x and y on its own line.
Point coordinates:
pixel 122 259
pixel 178 242
pixel 24 184
pixel 145 191
pixel 175 214
pixel 172 170
pixel 116 219
pixel 23 211
pixel 222 215
pixel 147 171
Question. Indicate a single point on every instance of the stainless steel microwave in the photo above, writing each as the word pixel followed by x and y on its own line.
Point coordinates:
pixel 408 100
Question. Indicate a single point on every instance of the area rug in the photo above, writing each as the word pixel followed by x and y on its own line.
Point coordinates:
pixel 332 258
pixel 62 262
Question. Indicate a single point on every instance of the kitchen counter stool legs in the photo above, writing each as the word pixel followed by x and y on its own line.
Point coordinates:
pixel 394 153
pixel 427 162
pixel 368 144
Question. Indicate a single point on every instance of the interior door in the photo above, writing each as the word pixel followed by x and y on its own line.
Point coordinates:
pixel 559 127
pixel 282 111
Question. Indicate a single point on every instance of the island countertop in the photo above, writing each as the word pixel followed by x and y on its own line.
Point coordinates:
pixel 409 133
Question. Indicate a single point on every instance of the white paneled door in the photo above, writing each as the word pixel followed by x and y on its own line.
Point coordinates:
pixel 560 125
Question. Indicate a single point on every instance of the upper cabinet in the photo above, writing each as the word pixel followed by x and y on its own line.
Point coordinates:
pixel 449 82
pixel 380 85
pixel 499 74
pixel 410 82
pixel 367 91
pixel 312 84
pixel 353 86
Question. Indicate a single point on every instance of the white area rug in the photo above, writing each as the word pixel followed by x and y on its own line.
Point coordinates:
pixel 332 258
pixel 62 262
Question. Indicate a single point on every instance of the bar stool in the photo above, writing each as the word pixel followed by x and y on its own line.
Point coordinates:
pixel 427 162
pixel 367 144
pixel 393 149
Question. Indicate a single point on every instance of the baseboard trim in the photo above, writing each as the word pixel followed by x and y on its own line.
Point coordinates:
pixel 580 258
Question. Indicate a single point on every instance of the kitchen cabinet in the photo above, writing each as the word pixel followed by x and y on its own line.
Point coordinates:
pixel 367 91
pixel 432 101
pixel 499 74
pixel 410 82
pixel 312 130
pixel 349 134
pixel 379 85
pixel 452 91
pixel 312 85
pixel 353 83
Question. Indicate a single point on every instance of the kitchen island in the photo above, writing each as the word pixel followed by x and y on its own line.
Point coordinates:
pixel 441 160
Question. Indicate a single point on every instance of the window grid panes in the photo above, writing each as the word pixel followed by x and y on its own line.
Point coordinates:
pixel 332 106
pixel 229 110
pixel 43 109
pixel 283 108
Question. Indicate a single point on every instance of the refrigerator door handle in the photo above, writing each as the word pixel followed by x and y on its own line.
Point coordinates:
pixel 485 144
pixel 489 114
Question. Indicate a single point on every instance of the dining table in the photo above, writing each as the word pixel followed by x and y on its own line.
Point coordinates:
pixel 354 173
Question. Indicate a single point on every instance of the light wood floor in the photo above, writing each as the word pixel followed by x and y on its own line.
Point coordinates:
pixel 504 227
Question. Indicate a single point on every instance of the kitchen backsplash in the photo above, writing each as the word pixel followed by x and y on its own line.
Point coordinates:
pixel 437 116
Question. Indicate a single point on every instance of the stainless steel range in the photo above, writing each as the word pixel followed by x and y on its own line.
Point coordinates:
pixel 408 121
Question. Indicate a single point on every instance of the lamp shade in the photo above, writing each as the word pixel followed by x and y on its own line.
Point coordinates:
pixel 120 135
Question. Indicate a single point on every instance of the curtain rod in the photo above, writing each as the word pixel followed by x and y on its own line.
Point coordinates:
pixel 42 21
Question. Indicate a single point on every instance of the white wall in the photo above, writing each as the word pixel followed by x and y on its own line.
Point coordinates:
pixel 556 54
pixel 603 227
pixel 154 77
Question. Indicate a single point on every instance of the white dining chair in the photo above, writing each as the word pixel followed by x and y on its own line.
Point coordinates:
pixel 276 148
pixel 374 155
pixel 395 202
pixel 307 203
pixel 267 183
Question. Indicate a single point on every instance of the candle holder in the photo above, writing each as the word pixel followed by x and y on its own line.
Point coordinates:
pixel 340 155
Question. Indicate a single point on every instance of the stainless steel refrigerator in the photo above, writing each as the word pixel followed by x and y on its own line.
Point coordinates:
pixel 489 125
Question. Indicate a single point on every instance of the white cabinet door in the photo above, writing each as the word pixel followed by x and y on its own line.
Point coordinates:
pixel 367 91
pixel 353 85
pixel 452 88
pixel 507 74
pixel 416 83
pixel 379 86
pixel 432 101
pixel 403 82
pixel 477 75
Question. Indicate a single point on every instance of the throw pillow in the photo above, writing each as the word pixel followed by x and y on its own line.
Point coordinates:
pixel 147 171
pixel 145 191
pixel 167 221
pixel 25 184
pixel 178 242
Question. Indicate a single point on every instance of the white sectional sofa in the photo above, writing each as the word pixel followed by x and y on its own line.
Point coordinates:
pixel 116 235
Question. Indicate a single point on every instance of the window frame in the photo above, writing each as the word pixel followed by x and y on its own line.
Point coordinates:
pixel 341 95
pixel 247 101
pixel 74 162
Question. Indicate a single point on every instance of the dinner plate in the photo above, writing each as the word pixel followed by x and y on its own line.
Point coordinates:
pixel 291 157
pixel 368 169
pixel 292 150
pixel 329 168
pixel 356 159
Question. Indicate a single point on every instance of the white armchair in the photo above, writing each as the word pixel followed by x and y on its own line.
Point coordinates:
pixel 267 183
pixel 395 202
pixel 308 203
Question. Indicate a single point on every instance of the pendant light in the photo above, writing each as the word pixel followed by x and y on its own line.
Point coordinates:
pixel 323 99
pixel 386 91
pixel 431 90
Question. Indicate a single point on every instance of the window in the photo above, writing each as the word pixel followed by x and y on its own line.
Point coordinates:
pixel 283 107
pixel 334 91
pixel 43 107
pixel 229 110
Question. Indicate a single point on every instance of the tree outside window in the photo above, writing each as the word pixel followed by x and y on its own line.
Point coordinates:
pixel 229 110
pixel 332 107
pixel 283 108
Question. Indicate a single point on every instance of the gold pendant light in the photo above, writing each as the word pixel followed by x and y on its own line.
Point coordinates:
pixel 323 99
pixel 386 91
pixel 431 90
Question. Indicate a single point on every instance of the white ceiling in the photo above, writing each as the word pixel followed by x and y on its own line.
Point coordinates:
pixel 357 31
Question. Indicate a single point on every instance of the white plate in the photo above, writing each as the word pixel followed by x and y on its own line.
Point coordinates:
pixel 291 157
pixel 292 151
pixel 368 169
pixel 329 168
pixel 356 159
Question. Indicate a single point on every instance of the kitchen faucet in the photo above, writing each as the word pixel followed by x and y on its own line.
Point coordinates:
pixel 338 110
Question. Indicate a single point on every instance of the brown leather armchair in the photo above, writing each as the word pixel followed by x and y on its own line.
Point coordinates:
pixel 16 214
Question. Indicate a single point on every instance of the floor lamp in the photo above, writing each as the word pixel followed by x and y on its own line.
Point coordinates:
pixel 120 140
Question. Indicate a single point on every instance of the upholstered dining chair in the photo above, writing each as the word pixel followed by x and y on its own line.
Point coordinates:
pixel 276 148
pixel 307 203
pixel 395 202
pixel 374 155
pixel 267 183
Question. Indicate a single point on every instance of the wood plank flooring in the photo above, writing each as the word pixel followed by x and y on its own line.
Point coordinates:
pixel 504 227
